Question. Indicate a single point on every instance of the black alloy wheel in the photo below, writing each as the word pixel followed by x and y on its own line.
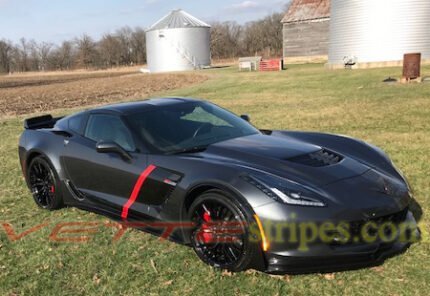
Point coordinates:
pixel 220 236
pixel 44 185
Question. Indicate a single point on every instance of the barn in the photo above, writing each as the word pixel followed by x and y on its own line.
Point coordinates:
pixel 306 27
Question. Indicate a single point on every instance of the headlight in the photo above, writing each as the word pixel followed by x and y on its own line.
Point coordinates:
pixel 284 191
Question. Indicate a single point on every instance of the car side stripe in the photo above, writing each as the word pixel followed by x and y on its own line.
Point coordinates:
pixel 145 174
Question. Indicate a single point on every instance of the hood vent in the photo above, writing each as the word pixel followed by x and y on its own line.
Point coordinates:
pixel 318 159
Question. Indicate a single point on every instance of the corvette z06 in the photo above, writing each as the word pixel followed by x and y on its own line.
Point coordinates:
pixel 275 201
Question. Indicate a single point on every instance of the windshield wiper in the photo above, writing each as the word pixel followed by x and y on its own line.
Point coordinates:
pixel 195 149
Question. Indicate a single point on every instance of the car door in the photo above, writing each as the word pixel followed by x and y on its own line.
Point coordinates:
pixel 131 189
pixel 104 180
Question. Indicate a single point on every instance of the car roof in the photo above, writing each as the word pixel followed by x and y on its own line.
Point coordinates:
pixel 139 106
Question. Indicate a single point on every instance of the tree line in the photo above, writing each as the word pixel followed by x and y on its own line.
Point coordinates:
pixel 124 47
pixel 262 37
pixel 127 47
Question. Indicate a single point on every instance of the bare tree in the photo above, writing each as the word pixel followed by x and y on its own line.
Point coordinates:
pixel 5 56
pixel 110 50
pixel 225 39
pixel 273 33
pixel 138 46
pixel 44 50
pixel 262 37
pixel 21 55
pixel 87 53
pixel 125 36
pixel 34 58
pixel 65 56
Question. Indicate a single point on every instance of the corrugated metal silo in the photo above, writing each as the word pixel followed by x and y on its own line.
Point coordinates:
pixel 178 42
pixel 373 31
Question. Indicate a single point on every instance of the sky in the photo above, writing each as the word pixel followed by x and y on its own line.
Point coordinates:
pixel 58 20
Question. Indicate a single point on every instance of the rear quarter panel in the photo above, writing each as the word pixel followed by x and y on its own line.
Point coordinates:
pixel 41 142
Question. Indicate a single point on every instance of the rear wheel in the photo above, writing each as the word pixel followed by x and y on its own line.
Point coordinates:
pixel 221 234
pixel 44 184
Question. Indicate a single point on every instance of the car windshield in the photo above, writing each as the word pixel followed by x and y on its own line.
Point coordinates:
pixel 188 126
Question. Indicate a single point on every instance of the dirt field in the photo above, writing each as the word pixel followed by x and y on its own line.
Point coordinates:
pixel 24 94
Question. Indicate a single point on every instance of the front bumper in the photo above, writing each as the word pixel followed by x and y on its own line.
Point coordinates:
pixel 354 259
pixel 321 257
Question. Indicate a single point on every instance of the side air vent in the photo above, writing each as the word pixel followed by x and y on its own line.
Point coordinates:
pixel 318 159
pixel 79 196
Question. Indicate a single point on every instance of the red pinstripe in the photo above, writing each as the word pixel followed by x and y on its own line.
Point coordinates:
pixel 136 190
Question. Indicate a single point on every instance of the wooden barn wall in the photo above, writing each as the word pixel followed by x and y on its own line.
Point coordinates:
pixel 306 39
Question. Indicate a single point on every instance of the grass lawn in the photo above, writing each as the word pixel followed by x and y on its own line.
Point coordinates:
pixel 305 97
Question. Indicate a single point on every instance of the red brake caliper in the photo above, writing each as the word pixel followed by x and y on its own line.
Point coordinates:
pixel 206 232
pixel 52 189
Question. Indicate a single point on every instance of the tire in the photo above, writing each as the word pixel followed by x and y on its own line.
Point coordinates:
pixel 224 254
pixel 44 184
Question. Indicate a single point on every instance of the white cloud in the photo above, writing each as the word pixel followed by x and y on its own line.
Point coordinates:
pixel 245 5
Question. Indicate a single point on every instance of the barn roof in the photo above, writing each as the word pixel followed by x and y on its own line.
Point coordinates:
pixel 178 19
pixel 306 10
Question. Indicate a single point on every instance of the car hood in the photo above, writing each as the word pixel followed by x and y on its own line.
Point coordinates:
pixel 275 154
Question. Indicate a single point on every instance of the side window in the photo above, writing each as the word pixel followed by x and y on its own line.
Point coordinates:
pixel 111 128
pixel 75 123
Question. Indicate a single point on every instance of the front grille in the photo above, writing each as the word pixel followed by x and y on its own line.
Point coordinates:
pixel 320 158
pixel 396 219
pixel 393 218
pixel 356 228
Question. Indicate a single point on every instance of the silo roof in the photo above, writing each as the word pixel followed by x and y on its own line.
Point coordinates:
pixel 307 10
pixel 178 19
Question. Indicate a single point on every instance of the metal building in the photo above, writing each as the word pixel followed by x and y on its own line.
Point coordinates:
pixel 178 42
pixel 378 32
pixel 306 28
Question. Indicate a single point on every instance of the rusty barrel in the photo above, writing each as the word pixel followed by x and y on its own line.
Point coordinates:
pixel 412 65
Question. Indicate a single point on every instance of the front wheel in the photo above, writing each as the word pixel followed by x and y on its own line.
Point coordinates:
pixel 44 184
pixel 221 234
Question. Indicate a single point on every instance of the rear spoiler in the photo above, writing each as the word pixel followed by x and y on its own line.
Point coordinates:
pixel 46 121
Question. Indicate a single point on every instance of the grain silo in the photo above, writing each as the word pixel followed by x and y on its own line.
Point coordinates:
pixel 378 32
pixel 178 42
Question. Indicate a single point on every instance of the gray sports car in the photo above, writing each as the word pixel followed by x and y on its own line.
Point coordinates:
pixel 276 201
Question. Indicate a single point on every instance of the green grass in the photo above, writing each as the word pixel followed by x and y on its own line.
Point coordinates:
pixel 305 97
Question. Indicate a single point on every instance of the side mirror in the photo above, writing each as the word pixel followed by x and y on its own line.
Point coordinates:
pixel 112 147
pixel 246 117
